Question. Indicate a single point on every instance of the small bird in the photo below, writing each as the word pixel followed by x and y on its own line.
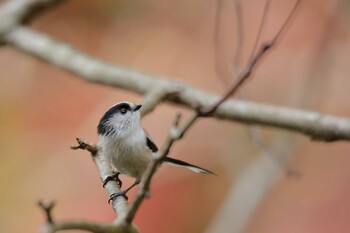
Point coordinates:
pixel 128 146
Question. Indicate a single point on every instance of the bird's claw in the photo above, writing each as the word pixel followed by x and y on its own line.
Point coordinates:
pixel 115 195
pixel 115 177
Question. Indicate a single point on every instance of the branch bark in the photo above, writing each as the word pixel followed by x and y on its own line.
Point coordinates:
pixel 52 226
pixel 175 133
pixel 105 169
pixel 313 124
pixel 15 12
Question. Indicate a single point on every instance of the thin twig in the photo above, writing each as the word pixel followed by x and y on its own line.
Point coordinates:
pixel 287 22
pixel 220 67
pixel 85 146
pixel 245 74
pixel 260 30
pixel 237 52
pixel 175 133
pixel 47 208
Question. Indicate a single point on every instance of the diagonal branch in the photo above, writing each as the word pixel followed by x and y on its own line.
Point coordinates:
pixel 105 169
pixel 251 66
pixel 175 133
pixel 260 30
pixel 237 52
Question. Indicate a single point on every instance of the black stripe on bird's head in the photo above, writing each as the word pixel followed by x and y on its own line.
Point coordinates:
pixel 118 117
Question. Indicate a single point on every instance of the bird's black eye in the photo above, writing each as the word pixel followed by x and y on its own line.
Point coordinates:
pixel 123 111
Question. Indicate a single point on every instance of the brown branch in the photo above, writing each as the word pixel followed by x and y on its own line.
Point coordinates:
pixel 245 74
pixel 47 208
pixel 177 133
pixel 287 22
pixel 85 146
pixel 221 72
pixel 237 52
pixel 260 30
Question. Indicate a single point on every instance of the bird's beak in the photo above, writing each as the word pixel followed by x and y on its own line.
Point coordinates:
pixel 137 107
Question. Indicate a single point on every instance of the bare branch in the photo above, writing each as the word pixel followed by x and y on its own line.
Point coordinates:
pixel 237 54
pixel 219 67
pixel 261 28
pixel 14 12
pixel 175 133
pixel 286 23
pixel 64 56
pixel 245 74
pixel 105 169
pixel 85 146
pixel 47 208
pixel 316 125
pixel 94 227
pixel 53 226
pixel 157 95
pixel 217 32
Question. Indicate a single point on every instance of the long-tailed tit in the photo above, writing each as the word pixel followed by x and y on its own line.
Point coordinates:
pixel 128 146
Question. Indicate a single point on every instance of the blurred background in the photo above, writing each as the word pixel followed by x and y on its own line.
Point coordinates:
pixel 268 180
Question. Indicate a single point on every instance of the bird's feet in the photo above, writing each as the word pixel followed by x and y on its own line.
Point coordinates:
pixel 115 195
pixel 115 177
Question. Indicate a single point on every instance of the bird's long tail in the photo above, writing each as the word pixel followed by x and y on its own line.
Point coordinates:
pixel 179 163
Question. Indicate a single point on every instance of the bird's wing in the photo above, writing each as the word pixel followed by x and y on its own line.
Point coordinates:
pixel 151 145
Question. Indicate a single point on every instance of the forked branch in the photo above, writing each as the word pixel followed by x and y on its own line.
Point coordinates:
pixel 246 73
pixel 52 226
pixel 177 133
pixel 105 169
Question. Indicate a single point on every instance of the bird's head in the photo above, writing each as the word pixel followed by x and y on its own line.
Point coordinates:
pixel 119 119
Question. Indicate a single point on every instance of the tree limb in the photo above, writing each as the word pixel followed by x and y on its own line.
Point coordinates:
pixel 52 226
pixel 105 169
pixel 175 133
pixel 15 12
pixel 255 58
pixel 316 125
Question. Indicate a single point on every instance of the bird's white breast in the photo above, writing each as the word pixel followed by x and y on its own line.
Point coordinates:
pixel 128 153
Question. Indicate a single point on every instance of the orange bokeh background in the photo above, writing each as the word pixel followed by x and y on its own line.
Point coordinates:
pixel 43 109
